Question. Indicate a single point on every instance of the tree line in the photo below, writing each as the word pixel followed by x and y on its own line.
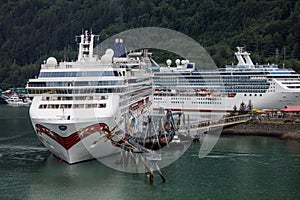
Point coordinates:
pixel 32 30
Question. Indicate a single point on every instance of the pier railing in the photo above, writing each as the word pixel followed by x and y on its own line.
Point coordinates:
pixel 215 123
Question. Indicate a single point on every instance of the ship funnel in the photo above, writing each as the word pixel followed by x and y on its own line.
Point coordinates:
pixel 243 57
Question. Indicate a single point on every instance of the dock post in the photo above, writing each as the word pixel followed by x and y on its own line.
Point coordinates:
pixel 160 173
pixel 189 125
pixel 151 177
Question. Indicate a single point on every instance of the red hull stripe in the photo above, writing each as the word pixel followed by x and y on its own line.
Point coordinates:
pixel 74 138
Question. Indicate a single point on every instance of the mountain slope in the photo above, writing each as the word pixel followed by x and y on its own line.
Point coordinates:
pixel 32 30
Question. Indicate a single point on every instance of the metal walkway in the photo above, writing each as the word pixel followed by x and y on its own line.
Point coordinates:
pixel 216 123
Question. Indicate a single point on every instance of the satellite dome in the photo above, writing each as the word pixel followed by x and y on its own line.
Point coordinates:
pixel 109 52
pixel 169 62
pixel 106 59
pixel 51 62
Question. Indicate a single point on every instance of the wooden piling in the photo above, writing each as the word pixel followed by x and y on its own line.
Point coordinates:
pixel 160 173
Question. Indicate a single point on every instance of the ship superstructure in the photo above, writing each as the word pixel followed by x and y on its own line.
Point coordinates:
pixel 184 88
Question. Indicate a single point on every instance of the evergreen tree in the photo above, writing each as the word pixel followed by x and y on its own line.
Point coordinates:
pixel 249 106
pixel 243 108
pixel 234 109
pixel 32 30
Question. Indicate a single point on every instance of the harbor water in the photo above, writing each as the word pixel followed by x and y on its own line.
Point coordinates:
pixel 237 168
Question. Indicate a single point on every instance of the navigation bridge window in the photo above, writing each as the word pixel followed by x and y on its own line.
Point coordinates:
pixel 76 91
pixel 80 74
pixel 75 83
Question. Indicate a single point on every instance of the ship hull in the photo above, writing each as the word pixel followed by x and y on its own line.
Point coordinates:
pixel 79 142
pixel 222 105
pixel 81 135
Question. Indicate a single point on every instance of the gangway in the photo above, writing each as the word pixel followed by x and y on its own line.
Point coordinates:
pixel 197 128
pixel 221 122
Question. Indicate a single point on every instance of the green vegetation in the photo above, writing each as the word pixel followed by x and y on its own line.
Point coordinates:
pixel 32 30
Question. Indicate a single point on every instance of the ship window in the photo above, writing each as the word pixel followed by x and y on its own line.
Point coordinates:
pixel 67 98
pixel 66 106
pixel 79 98
pixel 245 95
pixel 78 105
pixel 103 97
pixel 53 106
pixel 102 105
pixel 260 94
pixel 43 106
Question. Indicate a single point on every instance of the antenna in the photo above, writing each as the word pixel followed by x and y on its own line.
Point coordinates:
pixel 284 52
pixel 276 55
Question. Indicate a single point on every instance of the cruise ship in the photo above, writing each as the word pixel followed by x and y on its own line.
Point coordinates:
pixel 75 102
pixel 209 92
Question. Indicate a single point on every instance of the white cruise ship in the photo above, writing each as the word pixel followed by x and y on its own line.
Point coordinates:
pixel 183 88
pixel 74 102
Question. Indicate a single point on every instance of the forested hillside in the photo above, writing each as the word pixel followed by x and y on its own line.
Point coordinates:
pixel 32 30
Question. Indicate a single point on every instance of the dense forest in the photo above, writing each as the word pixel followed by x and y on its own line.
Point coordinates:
pixel 32 30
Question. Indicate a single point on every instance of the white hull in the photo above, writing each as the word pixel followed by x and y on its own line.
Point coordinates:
pixel 70 146
pixel 76 135
pixel 74 143
pixel 274 100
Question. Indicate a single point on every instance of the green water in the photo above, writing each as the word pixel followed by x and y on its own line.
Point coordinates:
pixel 237 168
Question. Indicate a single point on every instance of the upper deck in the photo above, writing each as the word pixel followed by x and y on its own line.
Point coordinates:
pixel 90 73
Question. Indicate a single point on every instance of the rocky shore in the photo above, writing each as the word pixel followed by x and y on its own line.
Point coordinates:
pixel 280 129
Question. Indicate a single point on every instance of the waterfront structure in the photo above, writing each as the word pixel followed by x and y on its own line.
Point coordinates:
pixel 75 102
pixel 294 110
pixel 291 109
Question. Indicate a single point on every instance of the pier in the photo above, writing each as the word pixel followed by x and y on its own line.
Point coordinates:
pixel 278 128
pixel 244 125
pixel 203 126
